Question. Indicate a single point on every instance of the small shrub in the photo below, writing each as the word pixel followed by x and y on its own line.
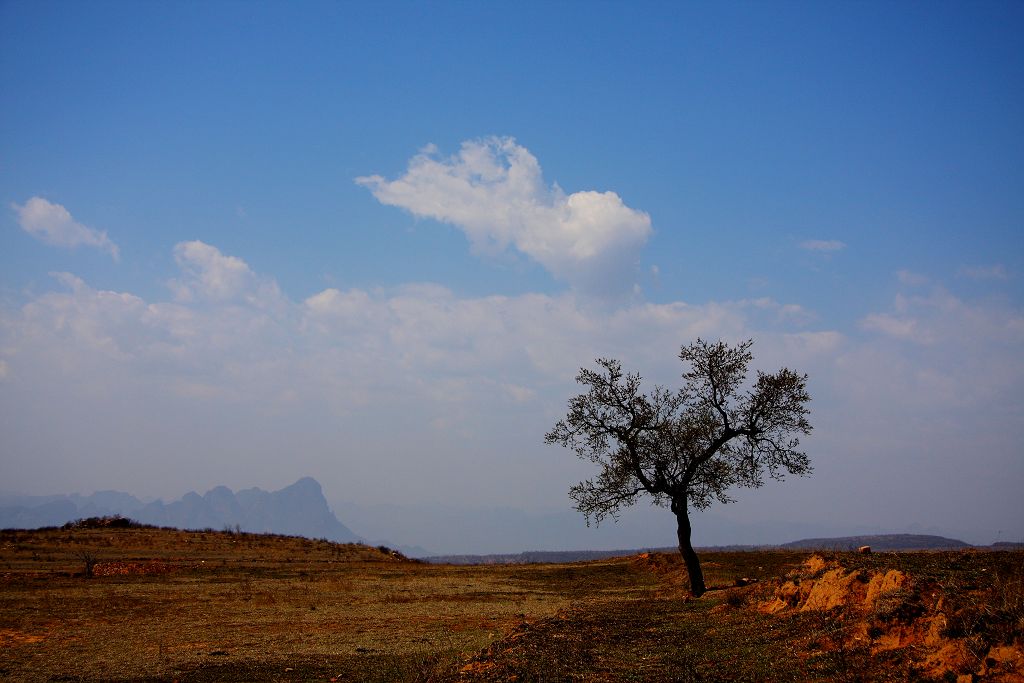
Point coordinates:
pixel 90 561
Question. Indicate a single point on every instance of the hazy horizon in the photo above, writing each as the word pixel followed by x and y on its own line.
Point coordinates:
pixel 244 243
pixel 446 529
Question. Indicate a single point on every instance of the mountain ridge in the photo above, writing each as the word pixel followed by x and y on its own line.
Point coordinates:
pixel 299 509
pixel 878 542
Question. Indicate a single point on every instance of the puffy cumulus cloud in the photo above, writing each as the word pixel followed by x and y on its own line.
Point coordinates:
pixel 493 190
pixel 826 246
pixel 210 275
pixel 52 223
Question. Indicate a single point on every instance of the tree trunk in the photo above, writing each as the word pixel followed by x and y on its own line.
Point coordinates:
pixel 686 548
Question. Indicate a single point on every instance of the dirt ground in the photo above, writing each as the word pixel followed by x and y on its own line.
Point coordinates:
pixel 201 606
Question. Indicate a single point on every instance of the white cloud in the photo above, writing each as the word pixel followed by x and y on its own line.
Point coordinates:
pixel 493 191
pixel 939 316
pixel 898 327
pixel 53 224
pixel 973 351
pixel 209 274
pixel 346 349
pixel 419 394
pixel 823 245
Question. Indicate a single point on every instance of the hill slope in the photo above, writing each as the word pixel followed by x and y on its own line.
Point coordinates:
pixel 879 542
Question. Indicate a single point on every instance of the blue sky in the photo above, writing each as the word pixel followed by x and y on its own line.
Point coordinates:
pixel 844 182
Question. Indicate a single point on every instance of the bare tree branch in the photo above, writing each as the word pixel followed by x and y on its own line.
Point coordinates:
pixel 690 447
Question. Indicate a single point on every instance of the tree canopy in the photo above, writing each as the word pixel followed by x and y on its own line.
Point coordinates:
pixel 685 448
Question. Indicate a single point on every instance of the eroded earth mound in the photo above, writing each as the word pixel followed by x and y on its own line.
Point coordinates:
pixel 962 631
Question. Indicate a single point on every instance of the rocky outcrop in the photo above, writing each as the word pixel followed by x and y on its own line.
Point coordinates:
pixel 886 610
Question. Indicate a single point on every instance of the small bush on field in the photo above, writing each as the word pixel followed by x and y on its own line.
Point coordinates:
pixel 90 561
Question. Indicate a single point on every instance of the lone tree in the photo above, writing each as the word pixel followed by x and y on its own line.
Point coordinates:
pixel 689 447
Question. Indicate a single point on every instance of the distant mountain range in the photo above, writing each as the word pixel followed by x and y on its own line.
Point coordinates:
pixel 302 510
pixel 299 510
pixel 878 543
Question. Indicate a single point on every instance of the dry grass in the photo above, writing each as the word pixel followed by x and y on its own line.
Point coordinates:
pixel 665 636
pixel 202 606
pixel 229 605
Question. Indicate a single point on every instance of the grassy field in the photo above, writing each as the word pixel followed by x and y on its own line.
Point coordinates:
pixel 202 606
